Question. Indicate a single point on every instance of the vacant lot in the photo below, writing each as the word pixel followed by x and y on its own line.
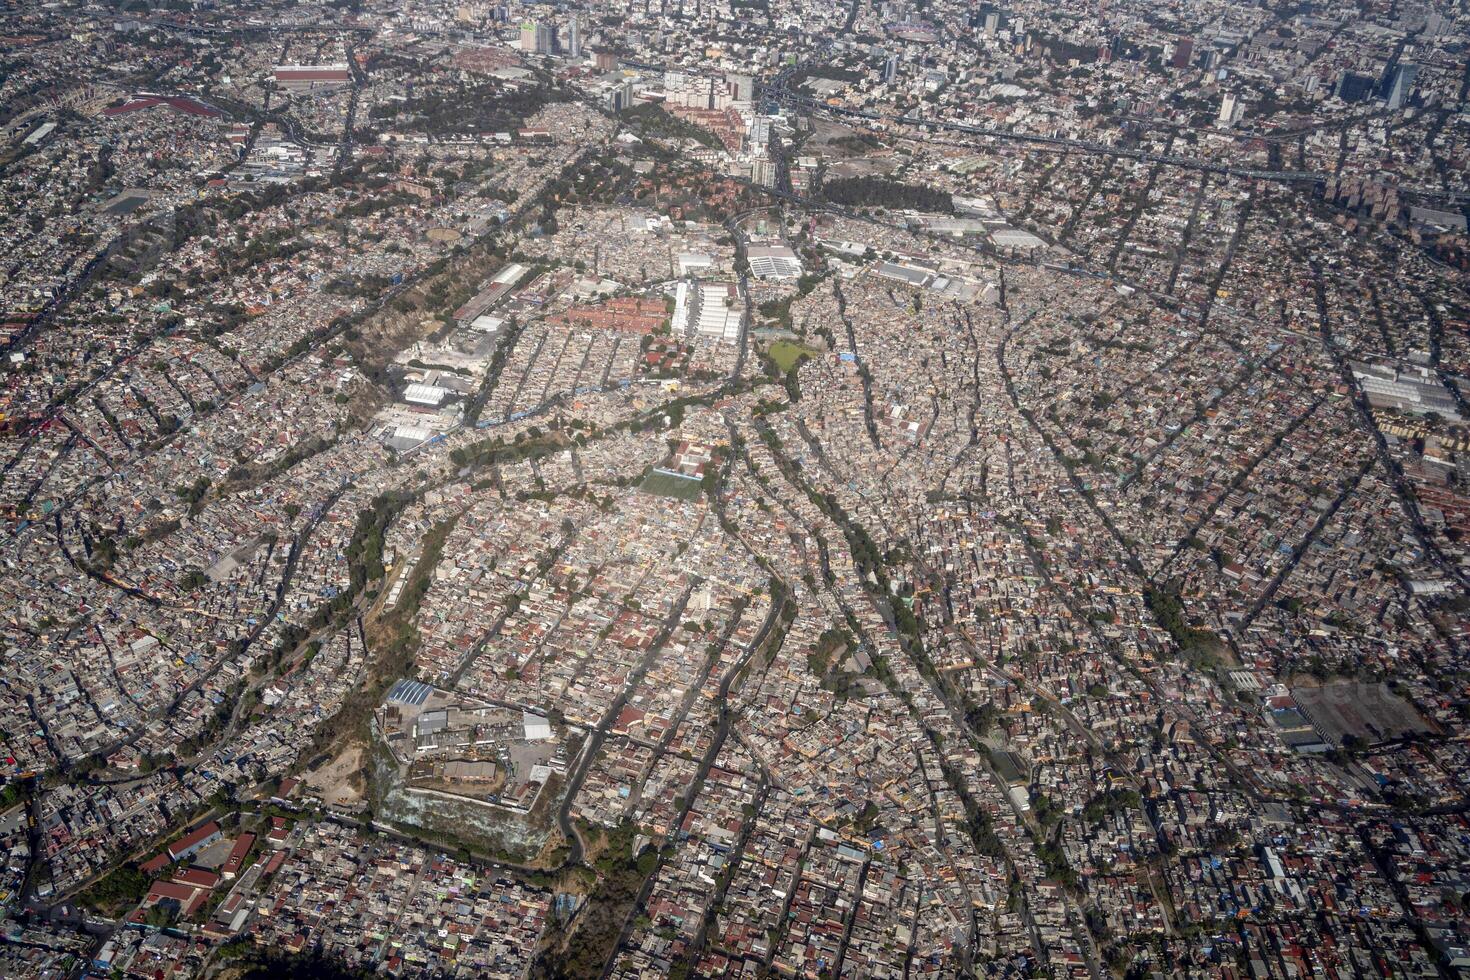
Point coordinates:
pixel 1370 711
pixel 340 781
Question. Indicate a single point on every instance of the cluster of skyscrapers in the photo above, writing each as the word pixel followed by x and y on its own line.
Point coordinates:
pixel 539 38
pixel 1393 87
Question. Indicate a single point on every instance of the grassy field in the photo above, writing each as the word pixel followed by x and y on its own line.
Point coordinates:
pixel 666 485
pixel 786 354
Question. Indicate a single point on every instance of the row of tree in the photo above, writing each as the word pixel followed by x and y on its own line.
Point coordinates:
pixel 879 192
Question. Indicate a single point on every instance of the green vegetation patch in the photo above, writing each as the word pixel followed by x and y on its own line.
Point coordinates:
pixel 879 192
pixel 788 355
pixel 669 485
pixel 116 892
pixel 1198 646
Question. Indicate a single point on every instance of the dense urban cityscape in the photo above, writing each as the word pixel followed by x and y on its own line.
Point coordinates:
pixel 735 488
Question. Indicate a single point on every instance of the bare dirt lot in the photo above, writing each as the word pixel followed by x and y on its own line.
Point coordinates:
pixel 1371 712
pixel 340 781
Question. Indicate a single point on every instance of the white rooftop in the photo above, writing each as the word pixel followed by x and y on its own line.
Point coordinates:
pixel 422 394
